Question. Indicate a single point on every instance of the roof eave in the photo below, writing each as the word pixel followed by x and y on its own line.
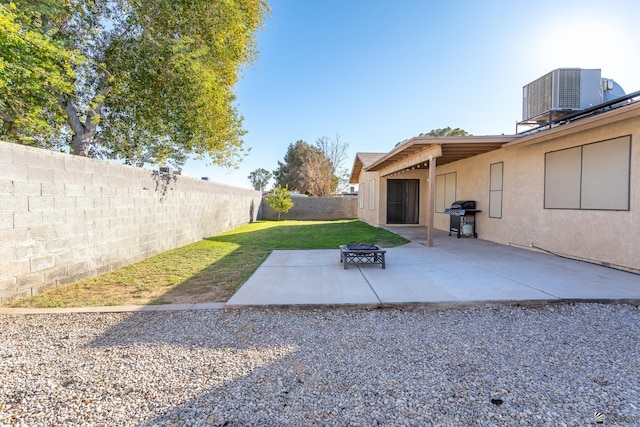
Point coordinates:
pixel 621 113
pixel 359 164
pixel 496 141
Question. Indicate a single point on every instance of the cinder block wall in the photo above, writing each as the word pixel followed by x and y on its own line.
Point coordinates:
pixel 64 218
pixel 316 208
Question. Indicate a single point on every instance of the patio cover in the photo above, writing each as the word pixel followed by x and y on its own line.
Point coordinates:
pixel 422 152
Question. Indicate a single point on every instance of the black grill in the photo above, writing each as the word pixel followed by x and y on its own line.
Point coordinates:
pixel 462 218
pixel 464 204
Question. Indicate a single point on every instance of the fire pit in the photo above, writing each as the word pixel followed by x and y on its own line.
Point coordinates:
pixel 364 253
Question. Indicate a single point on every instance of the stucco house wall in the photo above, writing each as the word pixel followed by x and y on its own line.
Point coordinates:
pixel 378 216
pixel 603 236
pixel 365 213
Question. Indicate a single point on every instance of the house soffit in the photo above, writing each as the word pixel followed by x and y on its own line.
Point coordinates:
pixel 452 150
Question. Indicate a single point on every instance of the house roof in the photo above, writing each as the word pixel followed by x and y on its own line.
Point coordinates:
pixel 453 148
pixel 362 160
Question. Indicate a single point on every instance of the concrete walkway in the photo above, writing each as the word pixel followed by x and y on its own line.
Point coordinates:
pixel 453 272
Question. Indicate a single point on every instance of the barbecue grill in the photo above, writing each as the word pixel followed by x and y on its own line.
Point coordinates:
pixel 462 218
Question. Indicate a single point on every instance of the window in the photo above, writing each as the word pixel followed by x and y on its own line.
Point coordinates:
pixel 592 176
pixel 372 195
pixel 495 190
pixel 445 191
pixel 361 195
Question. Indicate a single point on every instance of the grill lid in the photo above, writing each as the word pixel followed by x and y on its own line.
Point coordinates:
pixel 464 204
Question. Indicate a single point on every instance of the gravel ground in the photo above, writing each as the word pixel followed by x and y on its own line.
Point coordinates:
pixel 494 365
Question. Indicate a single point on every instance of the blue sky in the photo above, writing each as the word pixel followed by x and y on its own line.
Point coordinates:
pixel 378 72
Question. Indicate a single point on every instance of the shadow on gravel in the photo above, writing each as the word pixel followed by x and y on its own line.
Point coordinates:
pixel 546 366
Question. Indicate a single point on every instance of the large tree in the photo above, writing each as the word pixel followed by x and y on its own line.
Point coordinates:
pixel 446 132
pixel 306 169
pixel 157 81
pixel 336 152
pixel 35 70
pixel 317 174
pixel 289 172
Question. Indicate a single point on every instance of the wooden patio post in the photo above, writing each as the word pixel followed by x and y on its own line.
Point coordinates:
pixel 432 199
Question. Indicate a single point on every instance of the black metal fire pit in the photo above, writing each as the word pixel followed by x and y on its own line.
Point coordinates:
pixel 364 253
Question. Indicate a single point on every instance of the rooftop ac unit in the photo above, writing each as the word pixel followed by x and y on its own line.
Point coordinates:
pixel 559 92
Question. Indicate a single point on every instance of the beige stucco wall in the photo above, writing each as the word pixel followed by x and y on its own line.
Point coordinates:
pixel 364 212
pixel 378 216
pixel 608 237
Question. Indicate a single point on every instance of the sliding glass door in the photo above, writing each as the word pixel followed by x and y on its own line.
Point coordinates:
pixel 403 200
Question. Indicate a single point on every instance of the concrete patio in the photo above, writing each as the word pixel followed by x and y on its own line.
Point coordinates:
pixel 453 272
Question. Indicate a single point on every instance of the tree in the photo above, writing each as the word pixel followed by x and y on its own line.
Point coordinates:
pixel 307 170
pixel 289 172
pixel 157 83
pixel 259 178
pixel 317 173
pixel 280 200
pixel 35 70
pixel 446 132
pixel 441 132
pixel 336 151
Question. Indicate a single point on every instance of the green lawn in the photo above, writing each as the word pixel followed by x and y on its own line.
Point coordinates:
pixel 210 270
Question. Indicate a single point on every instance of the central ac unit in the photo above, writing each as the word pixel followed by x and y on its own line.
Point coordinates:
pixel 560 92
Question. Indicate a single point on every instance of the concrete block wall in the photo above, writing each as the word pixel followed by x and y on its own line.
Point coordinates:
pixel 316 208
pixel 64 218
